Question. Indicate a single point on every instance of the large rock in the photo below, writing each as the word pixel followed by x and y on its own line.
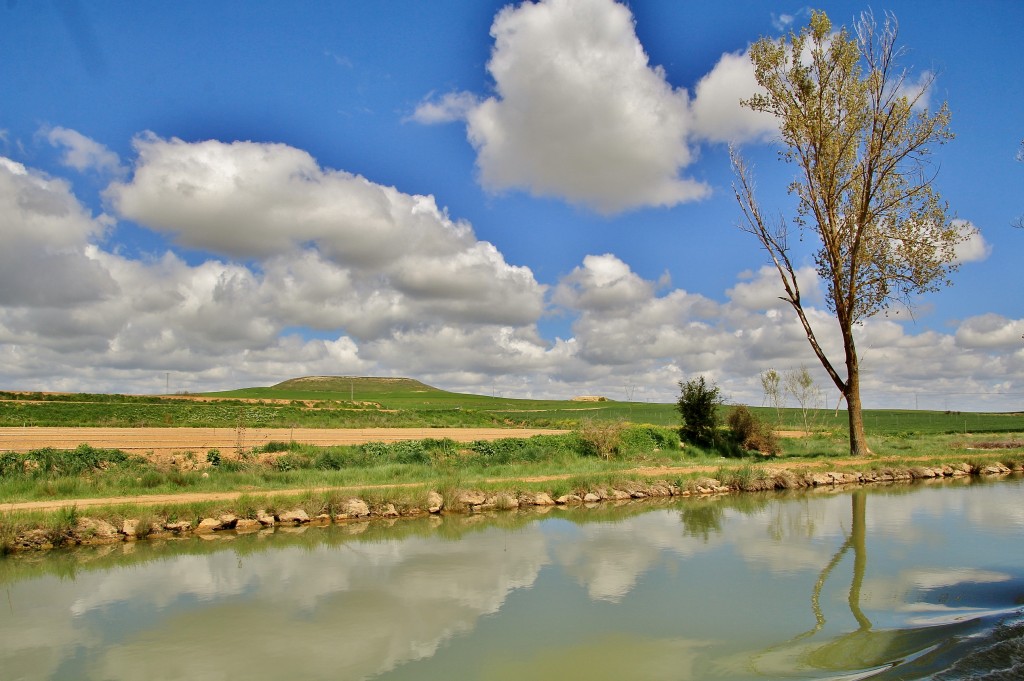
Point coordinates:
pixel 296 516
pixel 92 529
pixel 543 499
pixel 354 508
pixel 178 527
pixel 265 519
pixel 247 525
pixel 130 528
pixel 471 498
pixel 435 502
pixel 207 525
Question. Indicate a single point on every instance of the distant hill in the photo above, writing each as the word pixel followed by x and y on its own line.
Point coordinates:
pixel 358 384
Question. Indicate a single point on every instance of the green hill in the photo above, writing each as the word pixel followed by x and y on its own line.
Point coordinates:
pixel 347 385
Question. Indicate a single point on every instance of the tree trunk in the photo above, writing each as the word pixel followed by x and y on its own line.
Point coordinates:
pixel 858 440
pixel 851 391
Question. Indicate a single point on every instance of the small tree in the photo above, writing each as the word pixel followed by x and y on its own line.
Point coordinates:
pixel 800 384
pixel 698 405
pixel 772 391
pixel 860 137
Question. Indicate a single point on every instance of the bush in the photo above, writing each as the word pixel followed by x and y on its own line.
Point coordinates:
pixel 601 438
pixel 751 432
pixel 698 406
pixel 644 439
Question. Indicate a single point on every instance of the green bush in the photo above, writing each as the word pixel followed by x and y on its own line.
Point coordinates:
pixel 698 406
pixel 600 438
pixel 643 439
pixel 50 462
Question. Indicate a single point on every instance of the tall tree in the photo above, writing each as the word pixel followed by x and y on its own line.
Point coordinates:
pixel 860 137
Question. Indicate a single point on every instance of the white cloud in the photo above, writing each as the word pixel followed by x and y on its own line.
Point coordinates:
pixel 580 113
pixel 602 284
pixel 717 112
pixel 452 106
pixel 990 331
pixel 377 249
pixel 45 261
pixel 974 248
pixel 82 153
pixel 439 305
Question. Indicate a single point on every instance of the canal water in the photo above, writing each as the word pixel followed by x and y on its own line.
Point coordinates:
pixel 902 582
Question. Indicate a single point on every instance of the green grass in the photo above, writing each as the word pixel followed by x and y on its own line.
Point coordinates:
pixel 333 402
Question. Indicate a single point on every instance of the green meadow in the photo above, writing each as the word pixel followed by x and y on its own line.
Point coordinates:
pixel 343 402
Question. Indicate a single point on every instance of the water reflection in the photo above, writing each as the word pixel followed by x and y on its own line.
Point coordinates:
pixel 775 586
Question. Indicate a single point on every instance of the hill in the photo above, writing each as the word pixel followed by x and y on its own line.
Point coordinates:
pixel 364 385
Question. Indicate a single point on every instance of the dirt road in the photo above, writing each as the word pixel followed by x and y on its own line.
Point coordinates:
pixel 165 441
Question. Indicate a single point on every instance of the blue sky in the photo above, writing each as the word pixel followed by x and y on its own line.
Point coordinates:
pixel 526 199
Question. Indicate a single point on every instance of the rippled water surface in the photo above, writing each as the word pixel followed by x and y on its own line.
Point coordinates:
pixel 903 582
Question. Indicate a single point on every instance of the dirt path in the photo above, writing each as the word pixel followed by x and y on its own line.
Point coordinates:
pixel 166 441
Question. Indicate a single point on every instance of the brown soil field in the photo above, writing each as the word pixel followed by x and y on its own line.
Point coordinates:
pixel 160 443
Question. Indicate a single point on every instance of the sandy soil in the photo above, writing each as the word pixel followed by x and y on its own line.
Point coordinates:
pixel 160 443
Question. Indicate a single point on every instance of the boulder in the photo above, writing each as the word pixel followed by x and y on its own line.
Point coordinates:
pixel 207 525
pixel 178 527
pixel 247 525
pixel 265 519
pixel 471 498
pixel 130 528
pixel 543 499
pixel 92 529
pixel 389 511
pixel 591 498
pixel 435 502
pixel 354 508
pixel 296 516
pixel 568 499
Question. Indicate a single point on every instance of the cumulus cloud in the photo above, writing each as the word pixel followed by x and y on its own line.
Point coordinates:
pixel 990 331
pixel 374 247
pixel 434 302
pixel 83 153
pixel 602 284
pixel 717 112
pixel 579 112
pixel 46 260
pixel 974 248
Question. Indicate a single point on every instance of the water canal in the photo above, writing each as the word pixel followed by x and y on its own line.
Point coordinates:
pixel 901 582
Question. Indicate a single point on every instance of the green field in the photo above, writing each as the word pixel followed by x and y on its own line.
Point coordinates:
pixel 360 402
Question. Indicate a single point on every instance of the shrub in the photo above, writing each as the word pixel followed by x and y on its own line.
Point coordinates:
pixel 698 406
pixel 601 438
pixel 751 432
pixel 291 462
pixel 644 439
pixel 277 446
